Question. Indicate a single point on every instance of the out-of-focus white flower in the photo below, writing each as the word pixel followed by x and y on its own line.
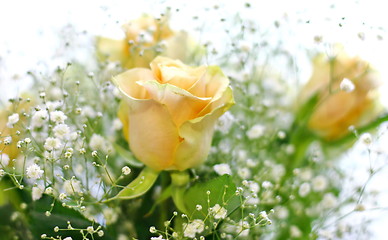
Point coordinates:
pixel 37 192
pixel 52 144
pixel 4 160
pixel 243 228
pixel 222 169
pixel 72 186
pixel 329 201
pixel 117 124
pixel 58 117
pixel 61 131
pixel 97 142
pixel 218 212
pixel 68 238
pixel 304 189
pixel 110 215
pixel 319 183
pixel 39 118
pixel 346 85
pixel 225 122
pixel 256 131
pixel 244 173
pixel 295 232
pixel 34 172
pixel 196 226
pixel 366 138
pixel 88 111
pixel 12 119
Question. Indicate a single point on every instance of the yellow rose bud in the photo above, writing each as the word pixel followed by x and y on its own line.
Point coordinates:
pixel 145 38
pixel 345 88
pixel 169 111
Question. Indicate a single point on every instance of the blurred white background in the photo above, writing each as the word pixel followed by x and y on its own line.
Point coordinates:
pixel 31 33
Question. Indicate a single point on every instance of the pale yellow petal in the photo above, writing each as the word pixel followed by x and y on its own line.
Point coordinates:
pixel 123 115
pixel 176 73
pixel 154 136
pixel 197 136
pixel 181 104
pixel 127 82
pixel 111 49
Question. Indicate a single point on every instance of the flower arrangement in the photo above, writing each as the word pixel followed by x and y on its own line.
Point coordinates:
pixel 166 137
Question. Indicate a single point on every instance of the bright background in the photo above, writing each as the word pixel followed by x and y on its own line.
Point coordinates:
pixel 31 33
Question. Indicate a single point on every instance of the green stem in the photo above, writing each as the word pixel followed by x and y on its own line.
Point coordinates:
pixel 178 187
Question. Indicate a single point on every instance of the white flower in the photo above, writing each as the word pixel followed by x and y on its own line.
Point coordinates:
pixel 225 122
pixel 219 212
pixel 254 186
pixel 196 226
pixel 68 238
pixel 39 118
pixel 157 238
pixel 4 160
pixel 49 190
pixel 304 189
pixel 52 143
pixel 110 215
pixel 97 142
pixel 117 124
pixel 88 111
pixel 61 130
pixel 329 201
pixel 7 140
pixel 319 183
pixel 222 169
pixel 12 119
pixel 244 173
pixel 126 170
pixel 346 85
pixel 52 105
pixel 34 172
pixel 243 228
pixel 72 186
pixel 256 131
pixel 37 193
pixel 2 173
pixel 62 196
pixel 295 232
pixel 366 138
pixel 56 93
pixel 58 117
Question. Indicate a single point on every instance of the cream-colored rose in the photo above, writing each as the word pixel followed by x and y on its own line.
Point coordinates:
pixel 169 111
pixel 145 38
pixel 346 90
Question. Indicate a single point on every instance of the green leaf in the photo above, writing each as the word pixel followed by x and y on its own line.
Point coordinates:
pixel 139 185
pixel 222 191
pixel 128 156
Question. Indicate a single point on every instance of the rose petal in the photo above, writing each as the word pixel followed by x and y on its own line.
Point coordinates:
pixel 197 135
pixel 127 82
pixel 123 115
pixel 176 73
pixel 111 49
pixel 154 136
pixel 181 104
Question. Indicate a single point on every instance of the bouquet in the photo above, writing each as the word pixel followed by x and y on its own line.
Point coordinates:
pixel 162 134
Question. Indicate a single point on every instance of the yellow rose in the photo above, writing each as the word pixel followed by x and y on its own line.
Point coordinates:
pixel 169 111
pixel 145 38
pixel 336 110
